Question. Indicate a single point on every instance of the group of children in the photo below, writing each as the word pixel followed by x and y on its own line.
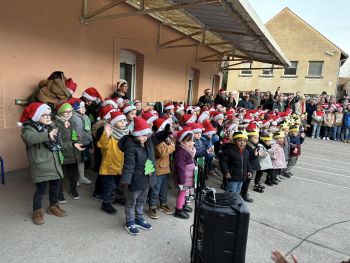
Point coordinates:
pixel 334 120
pixel 138 151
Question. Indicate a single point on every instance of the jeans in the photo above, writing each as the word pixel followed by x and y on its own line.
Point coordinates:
pixel 109 183
pixel 337 132
pixel 346 133
pixel 316 128
pixel 134 205
pixel 159 191
pixel 54 186
pixel 234 187
pixel 71 171
pixel 328 131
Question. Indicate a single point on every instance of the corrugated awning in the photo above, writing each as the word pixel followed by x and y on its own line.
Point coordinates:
pixel 230 27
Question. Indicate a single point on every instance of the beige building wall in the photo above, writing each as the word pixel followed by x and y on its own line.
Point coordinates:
pixel 300 42
pixel 42 36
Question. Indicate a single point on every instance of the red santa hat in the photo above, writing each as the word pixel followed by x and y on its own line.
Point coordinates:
pixel 251 127
pixel 71 85
pixel 183 133
pixel 208 128
pixel 289 111
pixel 92 94
pixel 203 116
pixel 169 106
pixel 119 101
pixel 128 107
pixel 76 103
pixel 105 112
pixel 33 112
pixel 188 118
pixel 116 116
pixel 230 112
pixel 196 127
pixel 161 123
pixel 149 117
pixel 247 117
pixel 141 127
pixel 217 115
pixel 222 91
pixel 110 102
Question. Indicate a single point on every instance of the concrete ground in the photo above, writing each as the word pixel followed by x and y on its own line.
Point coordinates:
pixel 317 196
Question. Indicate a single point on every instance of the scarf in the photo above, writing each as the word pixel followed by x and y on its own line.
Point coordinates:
pixel 86 121
pixel 53 146
pixel 118 133
pixel 191 151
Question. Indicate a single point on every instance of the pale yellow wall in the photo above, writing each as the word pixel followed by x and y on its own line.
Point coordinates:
pixel 42 36
pixel 300 43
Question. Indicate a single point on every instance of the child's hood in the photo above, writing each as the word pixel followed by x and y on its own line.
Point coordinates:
pixel 126 142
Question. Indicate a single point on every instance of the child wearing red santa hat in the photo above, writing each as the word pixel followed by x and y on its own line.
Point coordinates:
pixel 44 156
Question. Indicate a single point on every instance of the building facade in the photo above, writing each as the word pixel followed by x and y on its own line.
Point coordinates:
pixel 315 61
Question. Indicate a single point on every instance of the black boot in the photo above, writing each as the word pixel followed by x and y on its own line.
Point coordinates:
pixel 179 213
pixel 257 188
pixel 247 198
pixel 187 209
pixel 108 208
pixel 261 186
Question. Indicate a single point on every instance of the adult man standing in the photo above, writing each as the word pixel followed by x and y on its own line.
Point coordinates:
pixel 205 99
pixel 245 103
pixel 221 98
pixel 256 99
pixel 279 104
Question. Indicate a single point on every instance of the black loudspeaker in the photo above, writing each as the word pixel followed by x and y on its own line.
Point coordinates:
pixel 220 230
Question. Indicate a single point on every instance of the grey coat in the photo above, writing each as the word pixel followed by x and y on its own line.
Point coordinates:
pixel 44 164
pixel 85 137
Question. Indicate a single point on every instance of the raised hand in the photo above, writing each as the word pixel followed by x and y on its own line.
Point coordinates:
pixel 108 130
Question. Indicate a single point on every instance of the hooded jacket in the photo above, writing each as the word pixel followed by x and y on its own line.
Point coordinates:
pixel 53 91
pixel 135 157
pixel 235 163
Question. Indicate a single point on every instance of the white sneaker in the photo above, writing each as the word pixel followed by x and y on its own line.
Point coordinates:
pixel 327 138
pixel 324 138
pixel 312 137
pixel 84 180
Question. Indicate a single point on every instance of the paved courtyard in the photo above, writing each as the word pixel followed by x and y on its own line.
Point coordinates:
pixel 316 197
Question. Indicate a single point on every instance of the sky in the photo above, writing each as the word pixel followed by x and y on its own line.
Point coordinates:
pixel 330 18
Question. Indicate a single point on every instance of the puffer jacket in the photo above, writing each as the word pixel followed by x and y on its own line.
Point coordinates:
pixel 279 160
pixel 235 163
pixel 44 165
pixel 265 157
pixel 135 157
pixel 53 91
pixel 112 156
pixel 163 153
pixel 254 160
pixel 184 167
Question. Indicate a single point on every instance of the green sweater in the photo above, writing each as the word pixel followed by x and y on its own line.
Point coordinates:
pixel 44 164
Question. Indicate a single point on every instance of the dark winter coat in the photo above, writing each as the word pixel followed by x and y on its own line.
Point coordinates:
pixel 295 143
pixel 235 163
pixel 245 104
pixel 135 157
pixel 220 100
pixel 254 160
pixel 70 153
pixel 201 146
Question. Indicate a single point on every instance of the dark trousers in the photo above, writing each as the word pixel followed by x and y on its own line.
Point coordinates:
pixel 245 187
pixel 258 176
pixel 54 186
pixel 159 191
pixel 98 186
pixel 109 184
pixel 71 172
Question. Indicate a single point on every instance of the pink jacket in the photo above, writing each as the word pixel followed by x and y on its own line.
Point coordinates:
pixel 279 161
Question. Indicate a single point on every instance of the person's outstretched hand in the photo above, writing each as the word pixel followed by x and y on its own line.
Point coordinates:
pixel 278 257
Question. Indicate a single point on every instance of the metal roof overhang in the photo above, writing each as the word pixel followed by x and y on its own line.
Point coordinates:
pixel 230 27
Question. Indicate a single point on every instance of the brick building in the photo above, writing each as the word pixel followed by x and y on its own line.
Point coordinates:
pixel 162 47
pixel 315 60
